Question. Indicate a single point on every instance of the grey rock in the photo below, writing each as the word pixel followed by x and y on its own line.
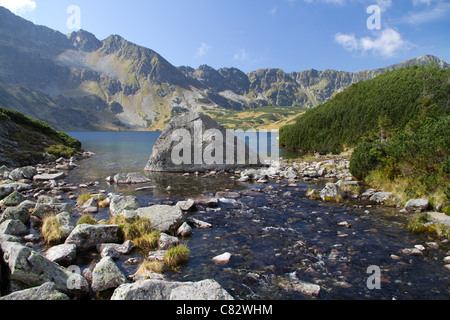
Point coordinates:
pixel 66 222
pixel 125 248
pixel 14 228
pixel 145 290
pixel 45 292
pixel 222 259
pixel 106 275
pixel 194 125
pixel 202 290
pixel 165 290
pixel 163 218
pixel 63 254
pixel 47 176
pixel 201 224
pixel 188 205
pixel 380 197
pixel 130 178
pixel 7 189
pixel 86 236
pixel 43 209
pixel 13 199
pixel 23 173
pixel 30 269
pixel 16 213
pixel 110 252
pixel 121 203
pixel 166 242
pixel 227 194
pixel 417 205
pixel 185 230
pixel 331 191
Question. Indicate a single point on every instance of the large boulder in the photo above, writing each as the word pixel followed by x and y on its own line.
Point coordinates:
pixel 45 292
pixel 7 189
pixel 106 275
pixel 63 254
pixel 164 290
pixel 16 213
pixel 194 142
pixel 163 218
pixel 13 199
pixel 23 173
pixel 30 269
pixel 14 228
pixel 202 290
pixel 86 236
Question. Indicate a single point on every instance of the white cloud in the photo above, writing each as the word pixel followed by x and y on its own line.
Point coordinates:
pixel 23 8
pixel 387 44
pixel 241 55
pixel 202 50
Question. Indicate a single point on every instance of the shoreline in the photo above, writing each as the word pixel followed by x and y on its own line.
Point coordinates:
pixel 282 174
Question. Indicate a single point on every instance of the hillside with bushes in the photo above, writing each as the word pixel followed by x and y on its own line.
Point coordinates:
pixel 398 125
pixel 26 141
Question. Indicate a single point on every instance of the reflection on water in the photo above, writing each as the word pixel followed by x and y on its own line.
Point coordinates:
pixel 274 234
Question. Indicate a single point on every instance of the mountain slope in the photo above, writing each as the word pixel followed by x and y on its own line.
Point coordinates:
pixel 25 141
pixel 117 85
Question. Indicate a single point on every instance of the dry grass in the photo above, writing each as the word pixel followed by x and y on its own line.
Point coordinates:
pixel 51 230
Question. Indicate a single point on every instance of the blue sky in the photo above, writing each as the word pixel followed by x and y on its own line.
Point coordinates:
pixel 293 35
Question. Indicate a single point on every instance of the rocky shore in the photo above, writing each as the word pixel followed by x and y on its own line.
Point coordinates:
pixel 31 268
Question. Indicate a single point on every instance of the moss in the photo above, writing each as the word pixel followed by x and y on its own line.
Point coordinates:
pixel 446 210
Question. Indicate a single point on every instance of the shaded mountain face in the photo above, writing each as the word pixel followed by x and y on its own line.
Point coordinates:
pixel 76 82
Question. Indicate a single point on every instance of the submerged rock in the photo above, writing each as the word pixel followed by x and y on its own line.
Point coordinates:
pixel 194 142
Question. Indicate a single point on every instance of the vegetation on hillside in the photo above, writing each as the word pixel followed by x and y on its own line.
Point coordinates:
pixel 65 145
pixel 399 125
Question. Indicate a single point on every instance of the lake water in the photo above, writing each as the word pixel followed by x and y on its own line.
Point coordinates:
pixel 277 236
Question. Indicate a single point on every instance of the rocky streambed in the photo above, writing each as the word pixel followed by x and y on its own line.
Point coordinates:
pixel 251 234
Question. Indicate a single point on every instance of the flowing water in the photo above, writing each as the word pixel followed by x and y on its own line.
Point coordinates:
pixel 276 235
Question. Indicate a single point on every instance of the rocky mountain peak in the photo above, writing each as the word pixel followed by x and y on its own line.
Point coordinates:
pixel 84 41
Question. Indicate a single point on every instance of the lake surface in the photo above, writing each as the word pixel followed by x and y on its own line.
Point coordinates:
pixel 277 237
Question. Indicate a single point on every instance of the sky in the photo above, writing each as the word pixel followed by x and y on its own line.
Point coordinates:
pixel 293 35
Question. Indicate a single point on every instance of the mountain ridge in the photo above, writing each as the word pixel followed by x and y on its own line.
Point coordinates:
pixel 124 86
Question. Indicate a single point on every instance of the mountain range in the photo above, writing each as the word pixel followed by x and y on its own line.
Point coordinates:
pixel 77 82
